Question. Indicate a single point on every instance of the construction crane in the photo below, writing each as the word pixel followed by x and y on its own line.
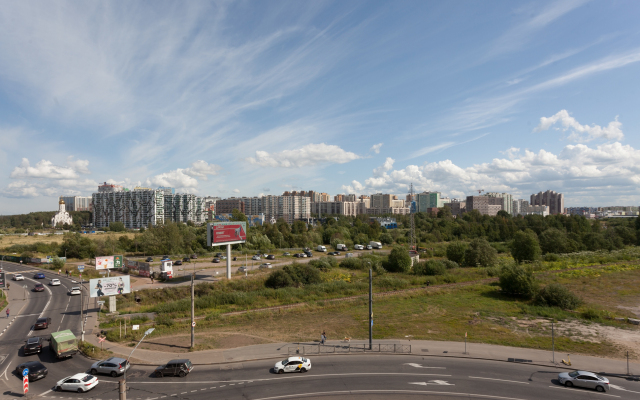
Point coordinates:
pixel 480 191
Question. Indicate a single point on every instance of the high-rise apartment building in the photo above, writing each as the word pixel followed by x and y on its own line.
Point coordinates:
pixel 252 205
pixel 458 207
pixel 227 206
pixel 427 200
pixel 350 197
pixel 507 200
pixel 184 208
pixel 519 207
pixel 338 197
pixel 77 203
pixel 109 188
pixel 484 204
pixel 136 208
pixel 554 200
pixel 289 208
pixel 335 207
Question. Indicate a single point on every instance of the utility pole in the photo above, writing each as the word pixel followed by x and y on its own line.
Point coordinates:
pixel 412 233
pixel 553 344
pixel 370 311
pixel 193 319
pixel 81 305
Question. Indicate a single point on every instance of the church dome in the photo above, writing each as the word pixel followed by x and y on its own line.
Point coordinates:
pixel 61 201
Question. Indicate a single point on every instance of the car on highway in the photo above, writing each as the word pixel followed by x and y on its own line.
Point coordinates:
pixel 256 258
pixel 308 253
pixel 179 367
pixel 42 323
pixel 333 253
pixel 149 259
pixel 75 291
pixel 286 253
pixel 77 383
pixel 18 277
pixel 113 366
pixel 218 255
pixel 242 269
pixel 300 255
pixel 177 262
pixel 265 266
pixel 271 257
pixel 33 345
pixel 36 370
pixel 215 260
pixel 369 247
pixel 223 257
pixel 292 364
pixel 38 287
pixel 39 275
pixel 584 379
pixel 186 259
pixel 194 256
pixel 54 282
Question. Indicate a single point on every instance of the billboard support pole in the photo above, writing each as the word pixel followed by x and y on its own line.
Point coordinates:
pixel 228 261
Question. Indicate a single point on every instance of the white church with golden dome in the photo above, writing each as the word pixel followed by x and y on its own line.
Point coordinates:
pixel 62 216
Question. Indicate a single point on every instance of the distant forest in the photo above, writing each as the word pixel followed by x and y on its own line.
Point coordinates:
pixel 37 220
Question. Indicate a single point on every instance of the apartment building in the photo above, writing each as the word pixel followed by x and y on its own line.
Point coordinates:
pixel 109 188
pixel 335 207
pixel 227 206
pixel 136 208
pixel 458 207
pixel 389 210
pixel 184 208
pixel 507 200
pixel 426 200
pixel 484 204
pixel 289 208
pixel 519 207
pixel 77 203
pixel 554 200
pixel 252 205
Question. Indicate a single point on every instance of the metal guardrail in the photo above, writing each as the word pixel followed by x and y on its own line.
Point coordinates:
pixel 349 348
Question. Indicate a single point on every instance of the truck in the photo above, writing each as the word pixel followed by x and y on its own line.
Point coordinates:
pixel 341 247
pixel 63 344
pixel 358 247
pixel 321 248
pixel 375 245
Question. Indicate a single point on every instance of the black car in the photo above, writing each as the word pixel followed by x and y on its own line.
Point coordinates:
pixel 174 367
pixel 33 346
pixel 215 260
pixel 42 323
pixel 186 259
pixel 149 259
pixel 218 255
pixel 271 257
pixel 334 253
pixel 36 370
pixel 194 256
pixel 177 262
pixel 308 253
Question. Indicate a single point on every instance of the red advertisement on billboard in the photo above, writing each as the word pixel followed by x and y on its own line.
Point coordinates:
pixel 228 232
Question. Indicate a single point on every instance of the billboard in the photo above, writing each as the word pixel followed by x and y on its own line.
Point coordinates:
pixel 108 262
pixel 3 283
pixel 109 286
pixel 219 233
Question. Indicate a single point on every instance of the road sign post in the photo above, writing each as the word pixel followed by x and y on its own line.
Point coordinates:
pixel 25 380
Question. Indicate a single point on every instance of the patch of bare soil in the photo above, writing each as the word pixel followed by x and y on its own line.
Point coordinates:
pixel 182 343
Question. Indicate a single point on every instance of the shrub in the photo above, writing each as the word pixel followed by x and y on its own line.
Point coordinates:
pixel 351 263
pixel 552 257
pixel 163 319
pixel 556 295
pixel 324 263
pixel 525 246
pixel 480 253
pixel 430 268
pixel 518 280
pixel 278 279
pixel 590 314
pixel 455 252
pixel 386 238
pixel 399 260
pixel 500 247
pixel 450 264
pixel 303 273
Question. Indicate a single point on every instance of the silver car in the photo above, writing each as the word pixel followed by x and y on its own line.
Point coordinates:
pixel 113 366
pixel 584 379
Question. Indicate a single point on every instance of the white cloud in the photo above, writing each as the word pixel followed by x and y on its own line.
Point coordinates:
pixel 236 190
pixel 43 169
pixel 376 148
pixel 578 169
pixel 183 179
pixel 581 133
pixel 309 155
pixel 81 166
pixel 201 169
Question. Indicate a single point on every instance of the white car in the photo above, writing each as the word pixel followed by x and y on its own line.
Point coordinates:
pixel 265 266
pixel 75 291
pixel 292 364
pixel 77 383
pixel 18 277
pixel 242 269
pixel 256 257
pixel 54 282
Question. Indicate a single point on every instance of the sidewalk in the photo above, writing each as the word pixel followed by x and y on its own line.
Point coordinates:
pixel 17 302
pixel 422 348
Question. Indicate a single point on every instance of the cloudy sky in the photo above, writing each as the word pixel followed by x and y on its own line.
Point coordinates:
pixel 249 98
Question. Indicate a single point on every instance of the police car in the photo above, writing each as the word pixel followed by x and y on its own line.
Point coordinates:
pixel 292 364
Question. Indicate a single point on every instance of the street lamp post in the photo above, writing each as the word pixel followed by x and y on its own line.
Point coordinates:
pixel 123 382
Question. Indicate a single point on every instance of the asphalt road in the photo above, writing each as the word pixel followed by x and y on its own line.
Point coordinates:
pixel 356 376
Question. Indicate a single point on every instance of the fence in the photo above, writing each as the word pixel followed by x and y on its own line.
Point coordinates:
pixel 349 348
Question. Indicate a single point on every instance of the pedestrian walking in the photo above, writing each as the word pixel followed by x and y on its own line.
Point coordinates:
pixel 152 279
pixel 7 312
pixel 323 337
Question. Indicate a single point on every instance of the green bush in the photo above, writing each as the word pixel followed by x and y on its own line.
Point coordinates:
pixel 399 260
pixel 518 280
pixel 525 246
pixel 455 252
pixel 591 314
pixel 324 263
pixel 500 247
pixel 556 295
pixel 386 238
pixel 480 253
pixel 163 319
pixel 278 279
pixel 351 263
pixel 303 273
pixel 430 268
pixel 450 264
pixel 551 257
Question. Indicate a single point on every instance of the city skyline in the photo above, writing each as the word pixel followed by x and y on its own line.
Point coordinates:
pixel 251 99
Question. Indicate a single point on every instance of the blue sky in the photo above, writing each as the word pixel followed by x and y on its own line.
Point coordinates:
pixel 250 98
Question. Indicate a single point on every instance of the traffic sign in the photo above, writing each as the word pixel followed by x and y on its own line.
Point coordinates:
pixel 25 372
pixel 80 268
pixel 193 324
pixel 102 339
pixel 25 384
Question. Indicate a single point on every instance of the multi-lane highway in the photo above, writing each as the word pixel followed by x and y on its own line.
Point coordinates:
pixel 355 376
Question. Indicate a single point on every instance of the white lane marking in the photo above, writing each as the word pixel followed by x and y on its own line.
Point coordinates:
pixel 295 377
pixel 388 391
pixel 45 306
pixel 493 379
pixel 212 387
pixel 621 388
pixel 5 372
pixel 604 394
pixel 183 393
pixel 420 366
pixel 42 394
pixel 25 315
pixel 442 383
